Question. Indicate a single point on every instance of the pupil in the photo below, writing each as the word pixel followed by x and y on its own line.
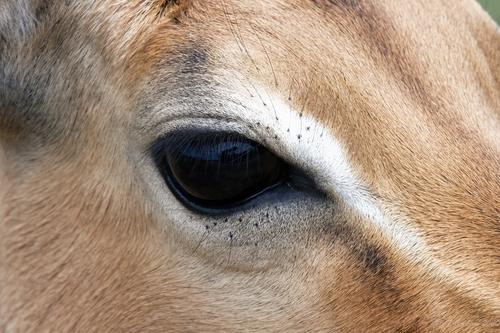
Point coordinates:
pixel 217 170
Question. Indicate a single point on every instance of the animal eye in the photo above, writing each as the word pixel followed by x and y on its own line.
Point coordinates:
pixel 216 170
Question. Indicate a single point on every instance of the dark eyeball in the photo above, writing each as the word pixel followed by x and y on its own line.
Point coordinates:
pixel 216 170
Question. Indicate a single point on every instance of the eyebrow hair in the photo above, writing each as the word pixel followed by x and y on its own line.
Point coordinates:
pixel 196 59
pixel 190 58
pixel 340 3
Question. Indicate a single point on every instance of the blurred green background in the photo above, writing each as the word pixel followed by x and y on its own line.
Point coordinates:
pixel 492 6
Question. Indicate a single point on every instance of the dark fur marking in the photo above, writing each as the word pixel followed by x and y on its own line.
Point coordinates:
pixel 189 64
pixel 43 8
pixel 370 256
pixel 371 259
pixel 22 106
pixel 190 59
pixel 4 44
pixel 25 93
pixel 165 5
pixel 196 59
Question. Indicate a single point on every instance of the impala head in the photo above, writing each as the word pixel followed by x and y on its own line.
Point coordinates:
pixel 223 165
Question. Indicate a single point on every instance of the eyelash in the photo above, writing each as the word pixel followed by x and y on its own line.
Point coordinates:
pixel 184 139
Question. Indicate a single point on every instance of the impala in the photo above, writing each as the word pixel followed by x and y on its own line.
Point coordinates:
pixel 243 165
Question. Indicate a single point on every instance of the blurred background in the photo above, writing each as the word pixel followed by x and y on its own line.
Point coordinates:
pixel 492 6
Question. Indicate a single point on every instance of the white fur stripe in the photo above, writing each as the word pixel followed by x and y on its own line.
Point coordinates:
pixel 301 139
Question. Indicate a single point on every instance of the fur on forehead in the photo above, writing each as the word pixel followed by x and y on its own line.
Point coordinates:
pixel 173 8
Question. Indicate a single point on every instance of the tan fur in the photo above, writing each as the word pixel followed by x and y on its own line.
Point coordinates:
pixel 411 88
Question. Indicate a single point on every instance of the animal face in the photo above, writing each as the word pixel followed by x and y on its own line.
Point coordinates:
pixel 223 165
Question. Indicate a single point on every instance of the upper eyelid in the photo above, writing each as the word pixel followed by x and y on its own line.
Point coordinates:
pixel 179 123
pixel 187 134
pixel 171 125
pixel 181 138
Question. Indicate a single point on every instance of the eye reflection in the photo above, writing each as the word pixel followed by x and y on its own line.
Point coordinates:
pixel 216 169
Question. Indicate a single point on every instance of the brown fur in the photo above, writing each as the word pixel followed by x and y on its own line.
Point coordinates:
pixel 412 89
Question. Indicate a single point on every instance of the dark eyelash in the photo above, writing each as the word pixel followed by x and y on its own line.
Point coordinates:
pixel 178 141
